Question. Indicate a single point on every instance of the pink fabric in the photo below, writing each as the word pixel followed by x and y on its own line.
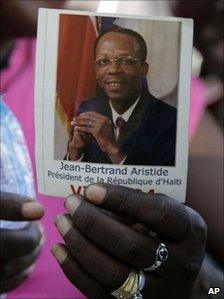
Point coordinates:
pixel 198 103
pixel 17 85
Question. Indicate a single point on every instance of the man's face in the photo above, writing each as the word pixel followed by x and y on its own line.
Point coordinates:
pixel 120 82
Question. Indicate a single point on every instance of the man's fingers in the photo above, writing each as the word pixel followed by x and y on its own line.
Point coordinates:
pixel 157 212
pixel 17 243
pixel 89 117
pixel 77 275
pixel 83 250
pixel 92 118
pixel 85 129
pixel 92 114
pixel 87 122
pixel 19 207
pixel 124 243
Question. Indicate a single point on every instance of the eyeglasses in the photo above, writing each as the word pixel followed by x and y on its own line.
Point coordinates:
pixel 103 63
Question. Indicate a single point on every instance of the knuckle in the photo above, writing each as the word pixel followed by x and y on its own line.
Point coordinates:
pixel 114 280
pixel 134 249
pixel 199 227
pixel 137 253
pixel 122 205
pixel 191 267
pixel 195 243
pixel 202 228
pixel 85 220
pixel 77 246
pixel 119 240
pixel 160 209
pixel 126 197
pixel 172 212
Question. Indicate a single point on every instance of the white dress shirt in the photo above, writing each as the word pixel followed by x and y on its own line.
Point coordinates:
pixel 126 115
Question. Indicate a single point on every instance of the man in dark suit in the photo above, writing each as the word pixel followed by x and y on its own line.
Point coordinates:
pixel 125 124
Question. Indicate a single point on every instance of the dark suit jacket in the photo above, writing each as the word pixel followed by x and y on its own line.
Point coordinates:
pixel 148 138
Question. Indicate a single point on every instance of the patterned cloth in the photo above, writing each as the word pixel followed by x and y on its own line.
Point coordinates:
pixel 15 167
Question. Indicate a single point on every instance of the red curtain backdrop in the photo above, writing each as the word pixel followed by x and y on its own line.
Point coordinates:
pixel 75 73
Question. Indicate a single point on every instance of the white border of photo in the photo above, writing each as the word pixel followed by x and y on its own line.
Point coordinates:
pixel 45 97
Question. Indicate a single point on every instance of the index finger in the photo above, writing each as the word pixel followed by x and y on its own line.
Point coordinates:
pixel 157 212
pixel 19 207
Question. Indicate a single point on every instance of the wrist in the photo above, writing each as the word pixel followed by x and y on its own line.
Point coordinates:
pixel 116 154
pixel 74 153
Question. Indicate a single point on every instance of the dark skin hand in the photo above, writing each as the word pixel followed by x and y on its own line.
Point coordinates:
pixel 100 127
pixel 19 247
pixel 100 251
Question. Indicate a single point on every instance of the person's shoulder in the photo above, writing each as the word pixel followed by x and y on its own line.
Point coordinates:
pixel 159 104
pixel 166 109
pixel 160 107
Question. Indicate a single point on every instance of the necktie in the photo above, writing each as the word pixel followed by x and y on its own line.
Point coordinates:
pixel 120 124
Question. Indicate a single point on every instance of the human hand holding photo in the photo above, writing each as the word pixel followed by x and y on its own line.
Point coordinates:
pixel 101 253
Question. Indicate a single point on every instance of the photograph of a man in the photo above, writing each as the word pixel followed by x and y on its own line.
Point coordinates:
pixel 124 123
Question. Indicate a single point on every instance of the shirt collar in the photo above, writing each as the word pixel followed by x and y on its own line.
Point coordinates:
pixel 126 115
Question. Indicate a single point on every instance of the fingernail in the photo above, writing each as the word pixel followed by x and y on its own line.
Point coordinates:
pixel 63 224
pixel 59 253
pixel 95 193
pixel 72 202
pixel 32 210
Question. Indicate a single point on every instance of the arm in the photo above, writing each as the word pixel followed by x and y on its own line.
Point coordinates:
pixel 94 238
